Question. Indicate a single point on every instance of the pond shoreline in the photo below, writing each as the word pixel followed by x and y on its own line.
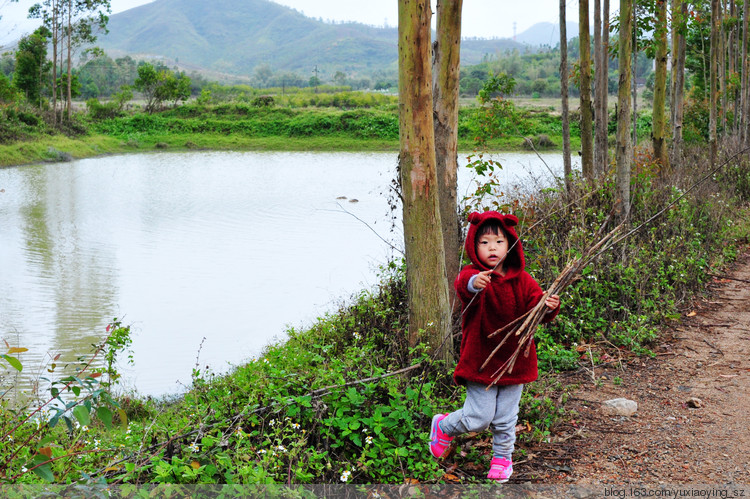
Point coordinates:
pixel 60 148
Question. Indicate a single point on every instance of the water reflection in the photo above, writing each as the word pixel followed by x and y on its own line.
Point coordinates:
pixel 229 247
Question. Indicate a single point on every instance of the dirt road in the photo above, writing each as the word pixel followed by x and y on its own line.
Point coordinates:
pixel 692 425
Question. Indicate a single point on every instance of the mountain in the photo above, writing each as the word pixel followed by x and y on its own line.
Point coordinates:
pixel 235 36
pixel 546 34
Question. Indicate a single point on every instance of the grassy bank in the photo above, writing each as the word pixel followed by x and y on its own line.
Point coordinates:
pixel 348 400
pixel 240 126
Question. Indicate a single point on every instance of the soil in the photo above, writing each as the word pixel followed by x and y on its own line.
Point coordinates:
pixel 693 396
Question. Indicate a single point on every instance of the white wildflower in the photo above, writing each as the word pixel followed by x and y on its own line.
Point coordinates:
pixel 345 476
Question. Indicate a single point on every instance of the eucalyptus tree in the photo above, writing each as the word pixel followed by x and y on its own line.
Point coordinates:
pixel 427 286
pixel 445 91
pixel 713 100
pixel 72 23
pixel 587 137
pixel 623 148
pixel 601 73
pixel 85 19
pixel 659 123
pixel 745 82
pixel 567 168
pixel 679 27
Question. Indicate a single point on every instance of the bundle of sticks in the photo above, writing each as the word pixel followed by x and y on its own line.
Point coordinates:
pixel 525 325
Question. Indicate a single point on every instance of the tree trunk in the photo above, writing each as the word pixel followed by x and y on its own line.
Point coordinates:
pixel 429 309
pixel 68 104
pixel 634 57
pixel 605 80
pixel 445 73
pixel 587 136
pixel 713 87
pixel 55 37
pixel 722 75
pixel 623 152
pixel 745 85
pixel 659 127
pixel 600 93
pixel 678 79
pixel 567 167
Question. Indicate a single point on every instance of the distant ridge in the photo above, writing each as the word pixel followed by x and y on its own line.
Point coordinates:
pixel 234 37
pixel 546 34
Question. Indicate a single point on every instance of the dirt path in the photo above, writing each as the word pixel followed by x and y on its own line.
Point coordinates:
pixel 670 439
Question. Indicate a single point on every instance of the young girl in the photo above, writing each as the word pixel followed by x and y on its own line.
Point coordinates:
pixel 499 297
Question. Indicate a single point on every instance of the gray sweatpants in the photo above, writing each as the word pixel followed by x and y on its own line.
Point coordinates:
pixel 495 408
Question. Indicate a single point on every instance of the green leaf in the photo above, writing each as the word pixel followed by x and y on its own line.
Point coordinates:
pixel 82 415
pixel 13 362
pixel 45 470
pixel 105 415
pixel 76 390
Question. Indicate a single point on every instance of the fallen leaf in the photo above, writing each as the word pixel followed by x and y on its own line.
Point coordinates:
pixel 728 375
pixel 692 314
pixel 450 477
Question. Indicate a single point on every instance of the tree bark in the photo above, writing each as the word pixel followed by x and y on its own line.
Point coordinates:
pixel 429 312
pixel 745 84
pixel 55 38
pixel 634 58
pixel 68 104
pixel 659 127
pixel 600 93
pixel 623 150
pixel 679 14
pixel 567 167
pixel 445 73
pixel 587 136
pixel 713 86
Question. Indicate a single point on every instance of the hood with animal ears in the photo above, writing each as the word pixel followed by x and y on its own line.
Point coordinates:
pixel 515 261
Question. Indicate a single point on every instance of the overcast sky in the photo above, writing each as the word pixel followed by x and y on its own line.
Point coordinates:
pixel 481 18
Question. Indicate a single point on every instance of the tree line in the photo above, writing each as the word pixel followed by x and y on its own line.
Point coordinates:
pixel 709 40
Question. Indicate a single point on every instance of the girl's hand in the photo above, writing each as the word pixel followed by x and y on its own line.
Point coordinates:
pixel 552 302
pixel 483 279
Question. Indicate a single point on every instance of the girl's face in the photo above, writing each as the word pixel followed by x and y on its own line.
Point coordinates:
pixel 492 248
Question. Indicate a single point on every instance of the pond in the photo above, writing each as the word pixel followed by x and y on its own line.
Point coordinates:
pixel 208 255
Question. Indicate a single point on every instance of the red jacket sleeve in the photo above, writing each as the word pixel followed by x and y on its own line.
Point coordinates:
pixel 534 294
pixel 462 283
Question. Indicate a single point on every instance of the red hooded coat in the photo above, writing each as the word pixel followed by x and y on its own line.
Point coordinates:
pixel 502 301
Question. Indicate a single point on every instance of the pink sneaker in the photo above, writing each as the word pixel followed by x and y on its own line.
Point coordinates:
pixel 439 441
pixel 500 469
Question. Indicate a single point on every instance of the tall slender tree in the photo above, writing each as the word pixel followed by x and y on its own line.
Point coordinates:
pixel 428 303
pixel 713 84
pixel 567 167
pixel 623 149
pixel 587 135
pixel 679 26
pixel 745 83
pixel 659 127
pixel 84 19
pixel 445 77
pixel 601 63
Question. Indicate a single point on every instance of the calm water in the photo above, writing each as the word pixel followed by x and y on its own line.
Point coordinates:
pixel 230 247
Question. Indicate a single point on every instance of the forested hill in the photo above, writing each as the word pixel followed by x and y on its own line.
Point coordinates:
pixel 236 36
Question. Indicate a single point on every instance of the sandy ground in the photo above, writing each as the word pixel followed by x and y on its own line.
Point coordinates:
pixel 693 397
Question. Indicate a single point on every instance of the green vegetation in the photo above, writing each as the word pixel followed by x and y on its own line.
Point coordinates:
pixel 321 407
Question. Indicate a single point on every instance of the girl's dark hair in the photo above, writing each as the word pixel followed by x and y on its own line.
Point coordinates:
pixel 491 227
